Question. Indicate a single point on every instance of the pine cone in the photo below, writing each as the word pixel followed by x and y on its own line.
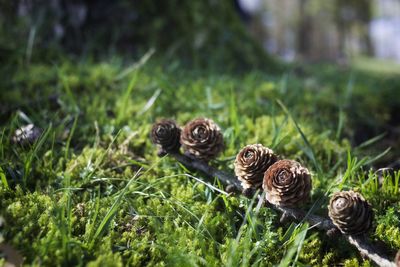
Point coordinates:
pixel 251 163
pixel 287 183
pixel 397 259
pixel 26 135
pixel 350 212
pixel 166 134
pixel 202 138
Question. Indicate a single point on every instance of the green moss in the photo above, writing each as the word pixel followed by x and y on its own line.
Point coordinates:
pixel 110 259
pixel 105 256
pixel 351 263
pixel 356 263
pixel 328 259
pixel 29 219
pixel 312 251
pixel 388 227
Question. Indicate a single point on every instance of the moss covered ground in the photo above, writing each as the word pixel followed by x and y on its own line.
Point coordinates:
pixel 92 191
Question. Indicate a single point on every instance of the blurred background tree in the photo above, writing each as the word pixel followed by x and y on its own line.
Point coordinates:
pixel 336 30
pixel 201 33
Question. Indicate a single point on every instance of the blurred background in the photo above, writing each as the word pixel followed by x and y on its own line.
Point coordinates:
pixel 325 30
pixel 206 32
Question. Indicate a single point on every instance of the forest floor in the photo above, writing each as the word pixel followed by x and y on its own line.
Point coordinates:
pixel 91 189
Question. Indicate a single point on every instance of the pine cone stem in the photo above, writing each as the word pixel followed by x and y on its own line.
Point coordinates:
pixel 365 247
pixel 210 171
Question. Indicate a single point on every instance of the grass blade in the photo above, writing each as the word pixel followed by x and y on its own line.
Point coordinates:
pixel 121 112
pixel 70 137
pixel 3 178
pixel 299 236
pixel 310 152
pixel 371 141
pixel 113 210
pixel 33 153
pixel 136 65
pixel 150 102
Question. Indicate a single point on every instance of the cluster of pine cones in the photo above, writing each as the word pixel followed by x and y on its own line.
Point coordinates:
pixel 200 138
pixel 286 182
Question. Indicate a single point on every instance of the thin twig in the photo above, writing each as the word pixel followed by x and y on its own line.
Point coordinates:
pixel 369 250
pixel 360 242
pixel 210 171
pixel 300 215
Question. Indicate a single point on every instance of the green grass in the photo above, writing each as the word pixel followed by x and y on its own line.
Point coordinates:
pixel 376 65
pixel 92 191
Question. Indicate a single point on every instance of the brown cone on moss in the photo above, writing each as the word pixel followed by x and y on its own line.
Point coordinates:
pixel 350 212
pixel 202 138
pixel 397 259
pixel 251 163
pixel 166 134
pixel 287 183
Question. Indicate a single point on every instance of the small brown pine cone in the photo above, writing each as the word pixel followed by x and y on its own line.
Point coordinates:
pixel 202 138
pixel 350 212
pixel 287 183
pixel 397 259
pixel 166 134
pixel 26 135
pixel 251 163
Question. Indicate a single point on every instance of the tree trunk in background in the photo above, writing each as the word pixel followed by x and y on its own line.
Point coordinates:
pixel 352 19
pixel 366 17
pixel 304 30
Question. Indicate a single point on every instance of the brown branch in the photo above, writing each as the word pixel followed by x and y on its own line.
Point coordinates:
pixel 300 215
pixel 360 242
pixel 369 250
pixel 210 171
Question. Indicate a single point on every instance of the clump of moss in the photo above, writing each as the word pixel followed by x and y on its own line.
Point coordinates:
pixel 31 215
pixel 328 259
pixel 105 256
pixel 355 263
pixel 311 253
pixel 388 227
